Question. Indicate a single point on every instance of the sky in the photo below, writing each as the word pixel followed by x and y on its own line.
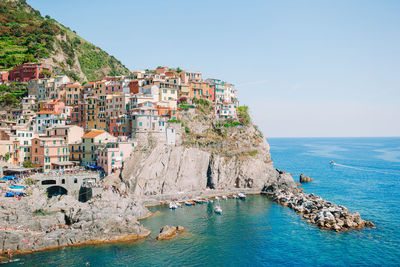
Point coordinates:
pixel 305 68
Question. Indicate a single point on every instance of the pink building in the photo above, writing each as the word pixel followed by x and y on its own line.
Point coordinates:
pixel 190 76
pixel 113 87
pixel 3 76
pixel 56 105
pixel 111 156
pixel 162 70
pixel 50 153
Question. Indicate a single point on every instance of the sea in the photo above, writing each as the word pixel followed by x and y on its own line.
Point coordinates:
pixel 258 232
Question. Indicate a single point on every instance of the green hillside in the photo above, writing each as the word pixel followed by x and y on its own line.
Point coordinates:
pixel 26 36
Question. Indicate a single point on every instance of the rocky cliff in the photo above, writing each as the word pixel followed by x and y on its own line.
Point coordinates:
pixel 206 154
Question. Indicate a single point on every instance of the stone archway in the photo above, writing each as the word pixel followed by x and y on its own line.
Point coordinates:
pixel 56 191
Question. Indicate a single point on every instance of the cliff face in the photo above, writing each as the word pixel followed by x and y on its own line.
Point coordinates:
pixel 206 155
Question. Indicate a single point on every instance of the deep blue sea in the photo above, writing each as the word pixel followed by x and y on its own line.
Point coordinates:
pixel 257 232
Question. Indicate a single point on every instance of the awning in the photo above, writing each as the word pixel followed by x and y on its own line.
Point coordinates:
pixel 65 163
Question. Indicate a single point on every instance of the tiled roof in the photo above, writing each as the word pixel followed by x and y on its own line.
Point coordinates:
pixel 93 133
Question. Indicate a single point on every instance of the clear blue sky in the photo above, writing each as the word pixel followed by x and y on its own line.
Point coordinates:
pixel 305 68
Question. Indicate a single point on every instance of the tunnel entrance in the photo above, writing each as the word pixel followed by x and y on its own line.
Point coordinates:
pixel 56 190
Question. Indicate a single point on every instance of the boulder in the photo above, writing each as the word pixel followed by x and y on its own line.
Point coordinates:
pixel 304 178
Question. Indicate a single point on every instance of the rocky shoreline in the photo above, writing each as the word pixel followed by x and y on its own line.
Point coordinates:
pixel 320 212
pixel 36 223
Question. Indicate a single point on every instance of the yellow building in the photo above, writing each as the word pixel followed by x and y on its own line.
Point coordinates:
pixel 101 118
pixel 91 113
pixel 70 93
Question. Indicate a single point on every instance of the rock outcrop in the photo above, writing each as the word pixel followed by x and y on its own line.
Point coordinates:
pixel 35 223
pixel 304 178
pixel 168 232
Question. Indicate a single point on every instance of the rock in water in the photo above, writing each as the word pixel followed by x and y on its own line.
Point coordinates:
pixel 168 232
pixel 305 178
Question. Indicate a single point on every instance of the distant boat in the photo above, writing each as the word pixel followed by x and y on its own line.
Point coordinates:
pixel 242 196
pixel 235 196
pixel 218 210
pixel 216 198
pixel 332 162
pixel 224 197
pixel 188 203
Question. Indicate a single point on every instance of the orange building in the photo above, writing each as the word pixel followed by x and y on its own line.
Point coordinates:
pixel 171 114
pixel 202 90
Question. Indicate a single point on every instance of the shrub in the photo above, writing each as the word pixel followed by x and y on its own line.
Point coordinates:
pixel 253 153
pixel 28 164
pixel 174 121
pixel 243 114
pixel 187 130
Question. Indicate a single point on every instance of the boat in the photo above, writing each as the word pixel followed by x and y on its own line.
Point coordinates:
pixel 235 196
pixel 201 201
pixel 224 197
pixel 242 195
pixel 172 205
pixel 218 210
pixel 216 198
pixel 188 203
pixel 332 162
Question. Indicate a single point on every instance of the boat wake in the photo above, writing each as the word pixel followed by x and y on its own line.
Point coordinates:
pixel 365 169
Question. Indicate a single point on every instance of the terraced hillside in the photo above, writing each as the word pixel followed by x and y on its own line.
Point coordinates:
pixel 26 36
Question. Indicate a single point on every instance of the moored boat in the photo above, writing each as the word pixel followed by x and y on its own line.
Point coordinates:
pixel 218 210
pixel 224 197
pixel 242 195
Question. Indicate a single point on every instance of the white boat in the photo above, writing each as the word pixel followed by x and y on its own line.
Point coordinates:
pixel 216 198
pixel 332 162
pixel 242 196
pixel 235 196
pixel 218 210
pixel 224 197
pixel 173 205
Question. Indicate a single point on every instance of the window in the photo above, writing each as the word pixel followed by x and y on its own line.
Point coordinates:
pixel 75 180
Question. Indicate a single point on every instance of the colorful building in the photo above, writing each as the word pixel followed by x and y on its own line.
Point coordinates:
pixel 48 119
pixel 111 156
pixel 29 71
pixel 90 143
pixel 50 153
pixel 70 133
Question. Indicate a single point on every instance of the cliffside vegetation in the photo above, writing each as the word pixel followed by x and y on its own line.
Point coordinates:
pixel 227 138
pixel 26 36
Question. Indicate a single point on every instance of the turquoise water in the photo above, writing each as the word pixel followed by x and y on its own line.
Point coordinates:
pixel 257 232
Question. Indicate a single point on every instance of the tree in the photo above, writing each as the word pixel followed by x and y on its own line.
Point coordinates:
pixel 9 100
pixel 28 164
pixel 7 156
pixel 178 70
